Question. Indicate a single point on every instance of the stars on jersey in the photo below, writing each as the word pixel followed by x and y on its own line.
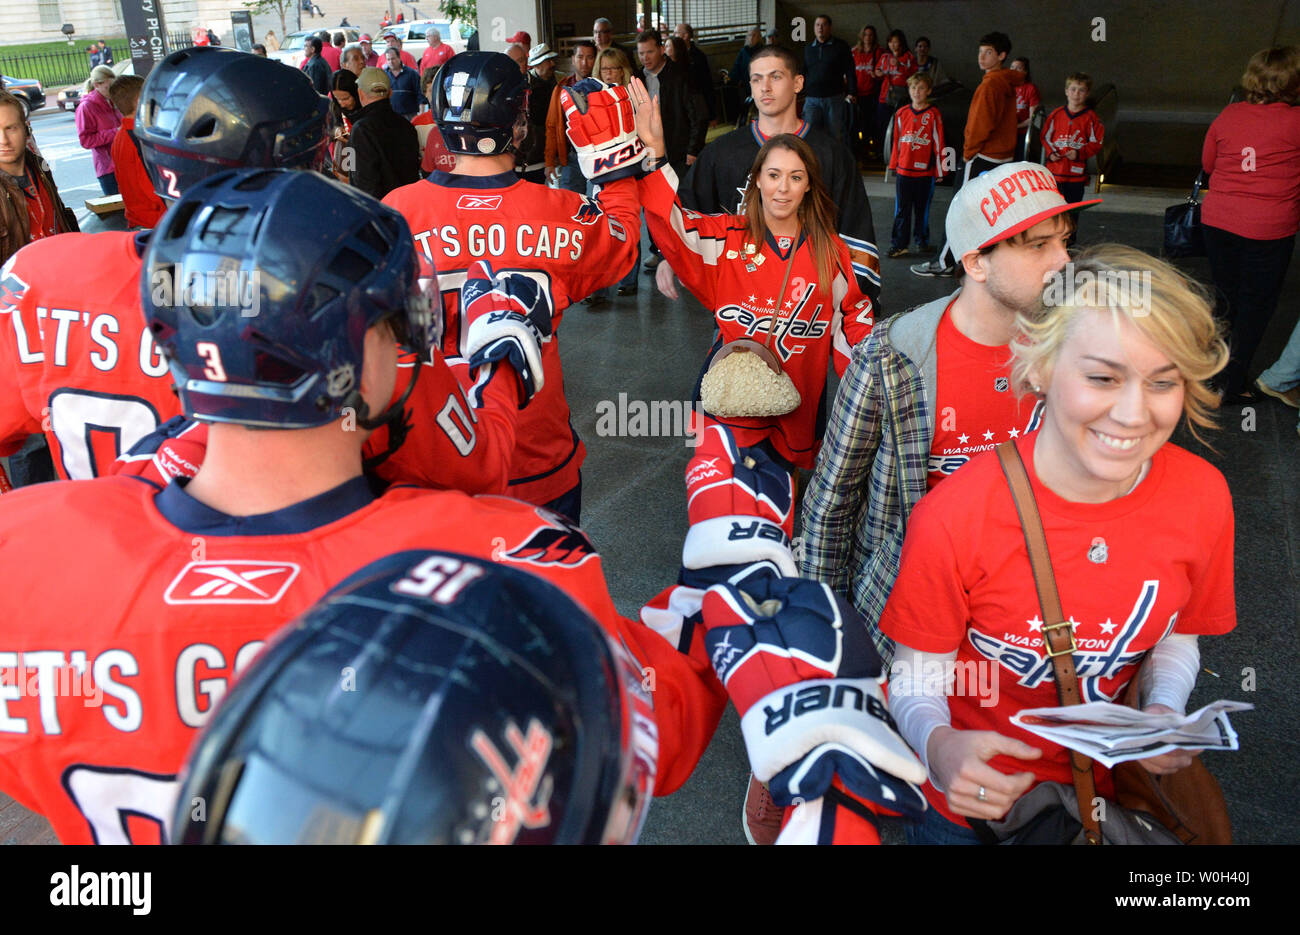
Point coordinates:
pixel 1099 660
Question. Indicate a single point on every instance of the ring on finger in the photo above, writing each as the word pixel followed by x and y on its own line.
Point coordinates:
pixel 982 795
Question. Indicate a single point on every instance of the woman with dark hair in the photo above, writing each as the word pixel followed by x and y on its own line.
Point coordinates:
pixel 345 105
pixel 896 66
pixel 776 274
pixel 1027 101
pixel 678 51
pixel 866 61
pixel 1252 211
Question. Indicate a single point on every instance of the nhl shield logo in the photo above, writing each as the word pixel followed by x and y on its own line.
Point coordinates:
pixel 1000 384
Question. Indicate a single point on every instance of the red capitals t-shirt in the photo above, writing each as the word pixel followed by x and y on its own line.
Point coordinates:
pixel 1130 571
pixel 976 408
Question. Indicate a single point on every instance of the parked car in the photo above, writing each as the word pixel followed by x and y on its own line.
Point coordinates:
pixel 413 36
pixel 67 98
pixel 291 49
pixel 28 91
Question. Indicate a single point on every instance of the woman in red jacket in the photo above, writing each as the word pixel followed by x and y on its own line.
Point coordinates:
pixel 97 123
pixel 777 273
pixel 866 59
pixel 896 66
pixel 1252 210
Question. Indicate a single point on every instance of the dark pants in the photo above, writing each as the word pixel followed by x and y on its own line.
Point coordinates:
pixel 1248 276
pixel 1072 192
pixel 569 504
pixel 912 198
pixel 108 183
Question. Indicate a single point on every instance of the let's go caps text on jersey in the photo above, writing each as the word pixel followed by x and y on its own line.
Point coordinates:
pixel 228 287
pixel 103 888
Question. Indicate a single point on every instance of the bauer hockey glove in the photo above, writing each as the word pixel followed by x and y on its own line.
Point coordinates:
pixel 800 669
pixel 508 317
pixel 599 121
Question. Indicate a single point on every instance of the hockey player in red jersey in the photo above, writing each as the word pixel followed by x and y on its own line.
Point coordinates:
pixel 75 359
pixel 776 274
pixel 571 244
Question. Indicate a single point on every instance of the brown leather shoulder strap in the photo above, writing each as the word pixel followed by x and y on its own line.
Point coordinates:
pixel 1058 633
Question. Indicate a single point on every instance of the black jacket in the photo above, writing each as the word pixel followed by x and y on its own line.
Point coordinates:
pixel 685 115
pixel 385 150
pixel 702 78
pixel 318 70
pixel 829 69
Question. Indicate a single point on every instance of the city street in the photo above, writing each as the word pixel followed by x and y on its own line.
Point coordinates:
pixel 56 134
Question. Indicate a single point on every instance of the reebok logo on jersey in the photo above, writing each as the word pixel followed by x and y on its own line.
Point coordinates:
pixel 231 582
pixel 478 202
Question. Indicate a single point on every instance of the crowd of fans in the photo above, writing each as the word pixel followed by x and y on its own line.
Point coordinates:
pixel 905 514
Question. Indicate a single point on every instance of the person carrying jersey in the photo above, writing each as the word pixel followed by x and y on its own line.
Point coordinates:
pixel 569 244
pixel 718 180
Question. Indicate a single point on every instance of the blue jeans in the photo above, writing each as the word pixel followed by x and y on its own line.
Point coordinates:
pixel 571 178
pixel 1285 373
pixel 108 183
pixel 935 829
pixel 828 113
pixel 912 197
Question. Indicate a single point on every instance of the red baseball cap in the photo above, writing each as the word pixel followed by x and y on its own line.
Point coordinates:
pixel 521 37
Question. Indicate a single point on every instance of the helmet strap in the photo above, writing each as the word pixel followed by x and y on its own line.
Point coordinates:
pixel 394 417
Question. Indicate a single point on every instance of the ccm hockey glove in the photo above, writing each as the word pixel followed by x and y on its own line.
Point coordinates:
pixel 600 123
pixel 508 317
pixel 799 666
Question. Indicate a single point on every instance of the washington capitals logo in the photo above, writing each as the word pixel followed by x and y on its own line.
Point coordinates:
pixel 12 290
pixel 560 543
pixel 589 213
pixel 1101 663
pixel 525 791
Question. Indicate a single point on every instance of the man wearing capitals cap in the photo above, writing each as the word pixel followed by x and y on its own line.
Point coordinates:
pixel 931 387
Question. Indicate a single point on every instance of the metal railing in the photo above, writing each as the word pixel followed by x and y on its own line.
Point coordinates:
pixel 72 65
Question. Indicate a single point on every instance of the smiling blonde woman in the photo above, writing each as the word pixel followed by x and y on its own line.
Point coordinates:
pixel 1139 531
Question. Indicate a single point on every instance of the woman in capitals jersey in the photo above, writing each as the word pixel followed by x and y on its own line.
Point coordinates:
pixel 1139 531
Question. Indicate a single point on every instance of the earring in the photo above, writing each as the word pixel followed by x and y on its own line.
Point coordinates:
pixel 1038 390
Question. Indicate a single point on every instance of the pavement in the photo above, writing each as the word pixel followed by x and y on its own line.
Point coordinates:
pixel 646 348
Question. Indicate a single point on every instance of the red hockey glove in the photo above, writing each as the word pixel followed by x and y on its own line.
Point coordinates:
pixel 508 317
pixel 600 123
pixel 174 449
pixel 739 503
pixel 799 666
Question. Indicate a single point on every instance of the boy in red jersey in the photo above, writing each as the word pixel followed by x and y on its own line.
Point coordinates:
pixel 1072 135
pixel 916 157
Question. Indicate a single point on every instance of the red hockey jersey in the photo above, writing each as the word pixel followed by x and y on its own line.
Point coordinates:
pixel 897 69
pixel 76 361
pixel 1081 133
pixel 567 242
pixel 107 671
pixel 809 320
pixel 918 142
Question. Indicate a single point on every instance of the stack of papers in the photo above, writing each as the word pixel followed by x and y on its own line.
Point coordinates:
pixel 1114 733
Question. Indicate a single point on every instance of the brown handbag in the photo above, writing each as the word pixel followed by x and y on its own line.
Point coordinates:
pixel 1189 803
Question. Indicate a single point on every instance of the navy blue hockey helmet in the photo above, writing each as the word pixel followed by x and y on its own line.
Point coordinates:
pixel 480 97
pixel 259 287
pixel 431 698
pixel 205 110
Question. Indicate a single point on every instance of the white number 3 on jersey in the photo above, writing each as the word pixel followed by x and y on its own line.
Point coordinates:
pixel 212 354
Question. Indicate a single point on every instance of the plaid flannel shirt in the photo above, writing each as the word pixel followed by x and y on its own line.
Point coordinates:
pixel 872 467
